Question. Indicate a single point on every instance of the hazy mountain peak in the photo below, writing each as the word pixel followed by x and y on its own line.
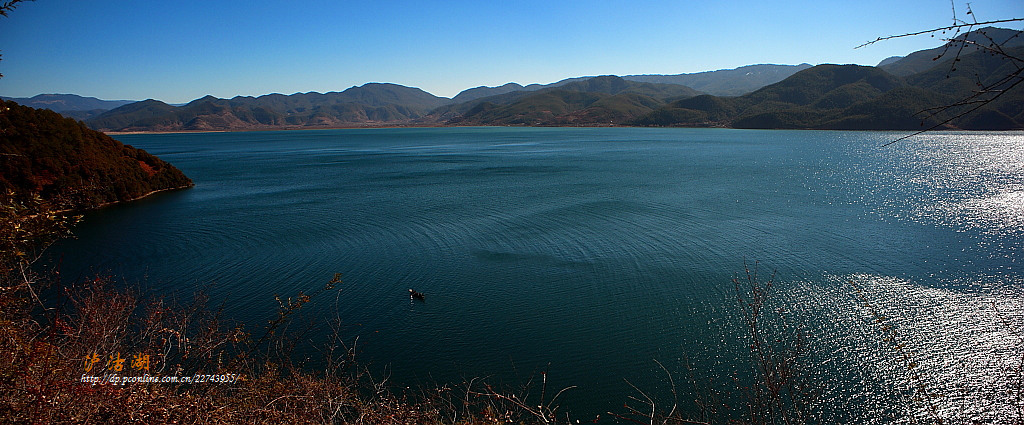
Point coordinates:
pixel 207 98
pixel 484 91
pixel 888 60
pixel 727 82
pixel 68 102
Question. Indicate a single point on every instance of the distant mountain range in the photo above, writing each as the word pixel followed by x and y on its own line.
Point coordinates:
pixel 851 97
pixel 70 105
pixel 390 104
pixel 727 82
pixel 373 103
pixel 888 96
pixel 605 100
pixel 724 82
pixel 818 97
pixel 67 102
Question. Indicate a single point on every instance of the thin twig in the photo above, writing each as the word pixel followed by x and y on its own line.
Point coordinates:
pixel 951 27
pixel 964 102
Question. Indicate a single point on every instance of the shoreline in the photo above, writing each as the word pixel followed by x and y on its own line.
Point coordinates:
pixel 145 195
pixel 112 203
pixel 242 130
pixel 370 127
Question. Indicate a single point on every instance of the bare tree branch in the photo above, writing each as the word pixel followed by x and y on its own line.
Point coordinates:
pixel 1016 78
pixel 9 5
pixel 987 93
pixel 949 28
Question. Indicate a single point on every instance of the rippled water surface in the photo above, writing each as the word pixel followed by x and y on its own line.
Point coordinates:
pixel 601 251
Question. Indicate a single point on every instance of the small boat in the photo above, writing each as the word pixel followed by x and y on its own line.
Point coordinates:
pixel 416 295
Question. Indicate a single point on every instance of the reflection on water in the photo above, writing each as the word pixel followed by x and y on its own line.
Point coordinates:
pixel 904 351
pixel 599 250
pixel 961 180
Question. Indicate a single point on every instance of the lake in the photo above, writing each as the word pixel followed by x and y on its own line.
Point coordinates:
pixel 597 253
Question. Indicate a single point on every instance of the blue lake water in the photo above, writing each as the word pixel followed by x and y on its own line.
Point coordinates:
pixel 596 253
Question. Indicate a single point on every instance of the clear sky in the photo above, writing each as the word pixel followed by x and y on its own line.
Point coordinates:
pixel 177 51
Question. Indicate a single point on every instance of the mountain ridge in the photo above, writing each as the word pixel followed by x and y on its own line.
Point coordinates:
pixel 798 99
pixel 360 105
pixel 923 60
pixel 853 97
pixel 69 105
pixel 60 102
pixel 727 82
pixel 603 100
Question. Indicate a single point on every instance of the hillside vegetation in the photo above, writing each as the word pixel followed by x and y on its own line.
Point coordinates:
pixel 606 100
pixel 71 166
pixel 923 60
pixel 852 97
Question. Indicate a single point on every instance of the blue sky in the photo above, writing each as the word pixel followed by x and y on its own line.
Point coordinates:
pixel 182 50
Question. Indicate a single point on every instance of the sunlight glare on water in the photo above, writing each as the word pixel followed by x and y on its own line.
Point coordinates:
pixel 913 352
pixel 967 181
